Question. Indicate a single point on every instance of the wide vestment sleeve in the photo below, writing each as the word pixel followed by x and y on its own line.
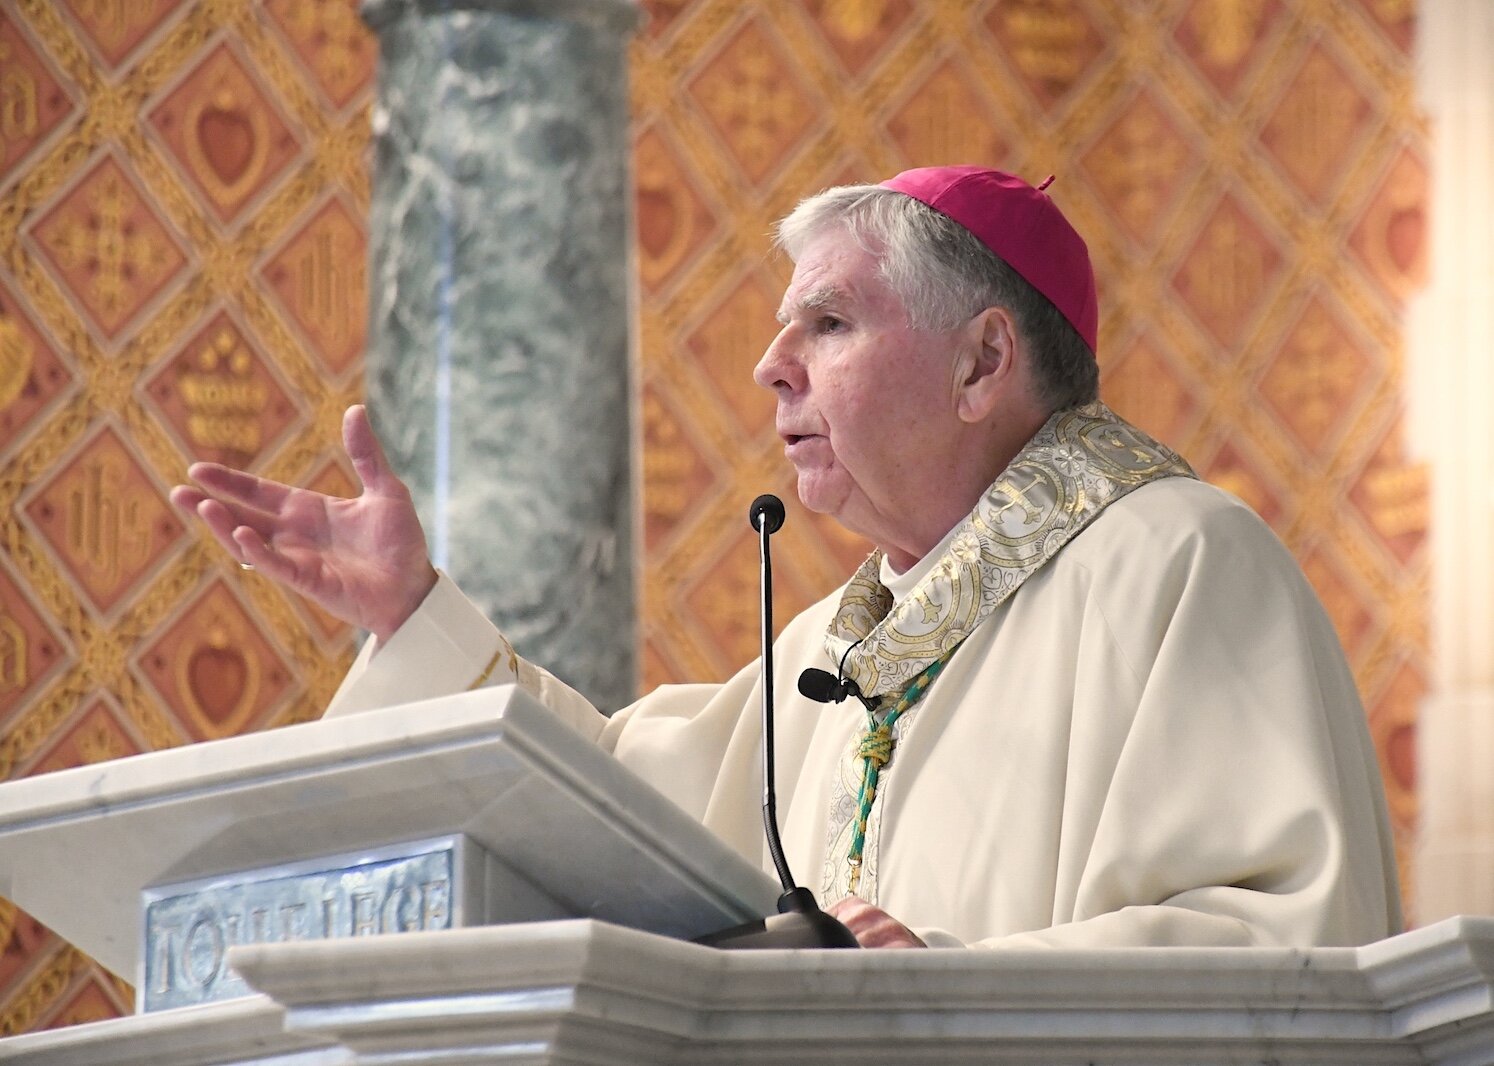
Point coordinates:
pixel 1195 766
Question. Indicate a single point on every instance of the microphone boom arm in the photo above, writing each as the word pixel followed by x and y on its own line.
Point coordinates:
pixel 763 522
pixel 799 922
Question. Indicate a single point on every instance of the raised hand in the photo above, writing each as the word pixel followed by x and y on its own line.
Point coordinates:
pixel 362 560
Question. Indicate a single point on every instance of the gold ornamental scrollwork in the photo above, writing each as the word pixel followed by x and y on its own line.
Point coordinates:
pixel 853 20
pixel 16 359
pixel 20 116
pixel 1047 39
pixel 44 988
pixel 112 22
pixel 15 648
pixel 1226 28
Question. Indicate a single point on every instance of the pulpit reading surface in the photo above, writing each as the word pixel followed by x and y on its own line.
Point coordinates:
pixel 258 838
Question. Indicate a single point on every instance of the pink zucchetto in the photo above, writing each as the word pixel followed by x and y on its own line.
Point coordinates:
pixel 1022 226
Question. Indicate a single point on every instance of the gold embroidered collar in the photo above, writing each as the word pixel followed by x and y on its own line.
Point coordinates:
pixel 1080 462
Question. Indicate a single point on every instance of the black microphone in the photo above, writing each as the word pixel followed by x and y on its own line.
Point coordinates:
pixel 799 922
pixel 824 687
pixel 769 508
pixel 821 686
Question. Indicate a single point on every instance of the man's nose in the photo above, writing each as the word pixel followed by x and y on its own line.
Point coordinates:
pixel 778 368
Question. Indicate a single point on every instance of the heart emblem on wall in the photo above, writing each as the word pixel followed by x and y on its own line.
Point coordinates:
pixel 227 145
pixel 218 682
pixel 216 679
pixel 227 140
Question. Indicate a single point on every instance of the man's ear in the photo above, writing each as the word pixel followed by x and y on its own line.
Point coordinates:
pixel 986 367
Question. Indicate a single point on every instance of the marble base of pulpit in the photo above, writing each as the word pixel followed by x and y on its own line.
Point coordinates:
pixel 582 991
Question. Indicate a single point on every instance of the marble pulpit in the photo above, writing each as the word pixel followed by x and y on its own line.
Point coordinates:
pixel 525 899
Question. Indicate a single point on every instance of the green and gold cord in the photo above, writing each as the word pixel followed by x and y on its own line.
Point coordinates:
pixel 875 750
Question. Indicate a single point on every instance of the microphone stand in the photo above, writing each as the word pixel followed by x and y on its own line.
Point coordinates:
pixel 799 922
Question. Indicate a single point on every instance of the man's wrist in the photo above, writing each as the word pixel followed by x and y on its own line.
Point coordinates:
pixel 419 590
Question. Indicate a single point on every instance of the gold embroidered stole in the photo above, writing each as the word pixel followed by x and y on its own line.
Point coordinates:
pixel 1081 461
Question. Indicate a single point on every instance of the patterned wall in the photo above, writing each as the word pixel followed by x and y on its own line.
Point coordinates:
pixel 183 188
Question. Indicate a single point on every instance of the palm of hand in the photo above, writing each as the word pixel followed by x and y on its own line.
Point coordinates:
pixel 362 560
pixel 350 556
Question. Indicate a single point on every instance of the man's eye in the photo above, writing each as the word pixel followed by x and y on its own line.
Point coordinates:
pixel 830 324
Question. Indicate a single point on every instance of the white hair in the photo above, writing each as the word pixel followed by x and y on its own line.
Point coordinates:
pixel 944 275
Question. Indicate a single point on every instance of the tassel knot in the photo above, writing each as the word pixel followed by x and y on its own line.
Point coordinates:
pixel 876 746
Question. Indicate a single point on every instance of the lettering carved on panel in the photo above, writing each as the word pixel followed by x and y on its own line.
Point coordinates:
pixel 106 519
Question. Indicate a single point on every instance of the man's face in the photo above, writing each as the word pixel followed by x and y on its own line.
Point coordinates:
pixel 865 403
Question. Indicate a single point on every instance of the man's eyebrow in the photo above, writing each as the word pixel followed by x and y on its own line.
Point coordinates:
pixel 813 300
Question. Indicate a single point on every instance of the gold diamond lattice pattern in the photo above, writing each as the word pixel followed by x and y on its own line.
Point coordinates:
pixel 1250 176
pixel 153 155
pixel 109 247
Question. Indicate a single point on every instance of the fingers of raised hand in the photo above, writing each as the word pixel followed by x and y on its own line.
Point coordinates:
pixel 187 497
pixel 365 451
pixel 214 515
pixel 223 516
pixel 221 519
pixel 221 523
pixel 254 550
pixel 226 483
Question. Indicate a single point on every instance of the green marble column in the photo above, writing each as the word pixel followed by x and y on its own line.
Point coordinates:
pixel 498 359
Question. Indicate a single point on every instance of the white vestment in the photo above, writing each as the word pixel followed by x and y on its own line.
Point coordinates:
pixel 1155 741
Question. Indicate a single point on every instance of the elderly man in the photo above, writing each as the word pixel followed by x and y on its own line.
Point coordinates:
pixel 1105 707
